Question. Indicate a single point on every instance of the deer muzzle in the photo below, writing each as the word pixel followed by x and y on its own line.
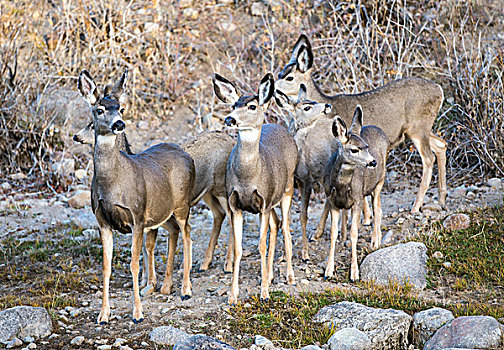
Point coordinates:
pixel 371 164
pixel 118 127
pixel 230 121
pixel 328 108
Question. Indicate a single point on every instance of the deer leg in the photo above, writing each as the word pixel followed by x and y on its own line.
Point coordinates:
pixel 323 218
pixel 264 219
pixel 335 215
pixel 145 268
pixel 377 215
pixel 108 246
pixel 344 225
pixel 136 247
pixel 218 218
pixel 354 234
pixel 423 146
pixel 274 221
pixel 439 147
pixel 149 270
pixel 237 217
pixel 286 205
pixel 173 229
pixel 228 265
pixel 306 189
pixel 366 211
pixel 182 218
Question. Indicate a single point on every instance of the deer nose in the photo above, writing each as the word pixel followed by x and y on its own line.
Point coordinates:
pixel 76 138
pixel 230 121
pixel 118 126
pixel 328 108
pixel 372 164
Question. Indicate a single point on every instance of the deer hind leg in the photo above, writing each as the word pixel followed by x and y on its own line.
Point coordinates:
pixel 344 225
pixel 237 217
pixel 354 234
pixel 423 146
pixel 108 246
pixel 182 218
pixel 218 217
pixel 136 248
pixel 274 222
pixel 173 230
pixel 306 189
pixel 323 218
pixel 366 211
pixel 286 205
pixel 439 147
pixel 377 215
pixel 335 216
pixel 228 265
pixel 149 271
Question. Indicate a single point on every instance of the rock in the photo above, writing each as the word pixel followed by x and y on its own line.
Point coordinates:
pixel 80 199
pixel 118 342
pixel 222 290
pixel 387 238
pixel 18 176
pixel 405 262
pixel 80 174
pixel 104 347
pixel 77 341
pixel 167 335
pixel 437 255
pixel 258 9
pixel 311 347
pixel 144 125
pixel 64 167
pixel 32 346
pixel 201 342
pixel 84 218
pixel 261 341
pixel 185 3
pixel 458 192
pixel 457 222
pixel 24 321
pixel 472 332
pixel 427 322
pixel 13 343
pixel 387 329
pixel 349 339
pixel 494 182
pixel 470 195
pixel 6 186
pixel 432 207
pixel 28 339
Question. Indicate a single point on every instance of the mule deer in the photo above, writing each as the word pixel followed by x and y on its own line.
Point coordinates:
pixel 260 175
pixel 355 170
pixel 404 108
pixel 134 192
pixel 210 152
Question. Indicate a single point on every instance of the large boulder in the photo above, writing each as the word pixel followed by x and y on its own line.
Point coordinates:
pixel 405 262
pixel 24 321
pixel 386 328
pixel 427 322
pixel 167 335
pixel 201 342
pixel 349 339
pixel 471 332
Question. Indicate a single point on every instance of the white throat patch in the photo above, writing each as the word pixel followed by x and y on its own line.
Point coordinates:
pixel 106 140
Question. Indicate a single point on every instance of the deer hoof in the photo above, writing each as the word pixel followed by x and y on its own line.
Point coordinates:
pixel 264 300
pixel 135 321
pixel 185 297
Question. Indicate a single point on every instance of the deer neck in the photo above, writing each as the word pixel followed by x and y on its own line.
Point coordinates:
pixel 106 157
pixel 345 172
pixel 247 149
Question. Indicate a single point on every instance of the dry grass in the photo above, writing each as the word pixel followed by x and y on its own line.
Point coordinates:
pixel 172 51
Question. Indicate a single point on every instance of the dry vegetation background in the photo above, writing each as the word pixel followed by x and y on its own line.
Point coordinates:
pixel 173 47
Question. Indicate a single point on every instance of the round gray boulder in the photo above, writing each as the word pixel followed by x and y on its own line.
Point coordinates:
pixel 427 322
pixel 24 321
pixel 405 262
pixel 349 339
pixel 167 335
pixel 201 342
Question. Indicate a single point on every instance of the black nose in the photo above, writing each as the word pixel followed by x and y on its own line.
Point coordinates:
pixel 328 108
pixel 372 164
pixel 118 126
pixel 76 138
pixel 230 121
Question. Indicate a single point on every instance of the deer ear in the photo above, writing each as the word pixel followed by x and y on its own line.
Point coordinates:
pixel 357 121
pixel 302 93
pixel 302 41
pixel 266 89
pixel 339 129
pixel 87 87
pixel 283 101
pixel 224 89
pixel 304 59
pixel 118 89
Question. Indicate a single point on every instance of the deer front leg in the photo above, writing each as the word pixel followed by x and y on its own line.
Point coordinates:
pixel 323 218
pixel 344 225
pixel 182 218
pixel 335 216
pixel 218 218
pixel 149 270
pixel 306 189
pixel 264 218
pixel 237 218
pixel 136 247
pixel 366 211
pixel 354 234
pixel 274 221
pixel 108 246
pixel 377 213
pixel 286 205
pixel 173 229
pixel 228 265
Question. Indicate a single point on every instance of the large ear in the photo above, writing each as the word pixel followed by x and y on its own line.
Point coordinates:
pixel 304 59
pixel 87 87
pixel 266 89
pixel 118 89
pixel 302 41
pixel 356 126
pixel 302 93
pixel 284 101
pixel 224 89
pixel 339 129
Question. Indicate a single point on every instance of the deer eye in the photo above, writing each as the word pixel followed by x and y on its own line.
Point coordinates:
pixel 99 111
pixel 289 78
pixel 353 150
pixel 251 108
pixel 307 108
pixel 122 110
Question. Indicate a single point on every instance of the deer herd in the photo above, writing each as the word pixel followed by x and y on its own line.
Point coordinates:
pixel 138 193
